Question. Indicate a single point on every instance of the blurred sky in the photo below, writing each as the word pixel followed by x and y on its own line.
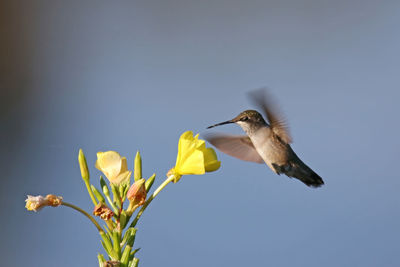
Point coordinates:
pixel 131 76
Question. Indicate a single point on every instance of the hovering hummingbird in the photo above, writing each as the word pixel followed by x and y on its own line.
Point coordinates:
pixel 265 142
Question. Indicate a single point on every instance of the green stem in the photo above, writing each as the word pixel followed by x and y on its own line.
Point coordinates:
pixel 84 213
pixel 89 189
pixel 113 207
pixel 148 201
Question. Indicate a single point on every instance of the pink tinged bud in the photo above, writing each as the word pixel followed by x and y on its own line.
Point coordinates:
pixel 137 193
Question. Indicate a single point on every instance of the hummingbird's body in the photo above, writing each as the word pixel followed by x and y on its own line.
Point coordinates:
pixel 265 142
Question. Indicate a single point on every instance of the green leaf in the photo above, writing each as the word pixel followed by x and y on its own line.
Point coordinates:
pixel 123 219
pixel 134 263
pixel 104 246
pixel 108 247
pixel 101 259
pixel 116 196
pixel 116 243
pixel 108 230
pixel 129 232
pixel 97 194
pixel 125 255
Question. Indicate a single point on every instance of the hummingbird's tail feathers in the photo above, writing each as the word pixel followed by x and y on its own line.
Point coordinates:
pixel 300 171
pixel 312 179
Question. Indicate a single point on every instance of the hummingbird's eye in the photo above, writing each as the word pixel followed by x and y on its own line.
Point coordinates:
pixel 244 118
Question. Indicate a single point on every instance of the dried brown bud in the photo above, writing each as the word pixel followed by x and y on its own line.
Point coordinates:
pixel 103 211
pixel 54 200
pixel 112 264
pixel 36 203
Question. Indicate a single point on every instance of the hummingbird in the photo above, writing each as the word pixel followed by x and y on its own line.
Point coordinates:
pixel 264 142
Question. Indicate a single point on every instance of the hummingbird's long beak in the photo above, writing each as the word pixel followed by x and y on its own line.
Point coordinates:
pixel 221 123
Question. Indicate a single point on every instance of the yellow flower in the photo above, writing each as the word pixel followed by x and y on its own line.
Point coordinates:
pixel 114 167
pixel 36 203
pixel 193 157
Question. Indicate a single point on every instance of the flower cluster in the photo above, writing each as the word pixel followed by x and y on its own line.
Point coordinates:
pixel 118 235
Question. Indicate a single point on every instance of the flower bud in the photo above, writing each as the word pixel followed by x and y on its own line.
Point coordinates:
pixel 83 166
pixel 136 195
pixel 104 186
pixel 137 171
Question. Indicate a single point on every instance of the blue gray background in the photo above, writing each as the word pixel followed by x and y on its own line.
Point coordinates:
pixel 130 76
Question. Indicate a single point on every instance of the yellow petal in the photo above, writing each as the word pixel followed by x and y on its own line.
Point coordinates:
pixel 200 144
pixel 193 164
pixel 185 147
pixel 211 161
pixel 109 163
pixel 124 165
pixel 121 177
pixel 209 154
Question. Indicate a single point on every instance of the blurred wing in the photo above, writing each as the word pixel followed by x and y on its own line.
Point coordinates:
pixel 239 146
pixel 275 118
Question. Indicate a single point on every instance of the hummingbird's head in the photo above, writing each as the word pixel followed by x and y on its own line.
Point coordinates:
pixel 249 120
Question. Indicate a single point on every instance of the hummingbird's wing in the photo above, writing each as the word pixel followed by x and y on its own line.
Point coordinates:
pixel 275 118
pixel 238 146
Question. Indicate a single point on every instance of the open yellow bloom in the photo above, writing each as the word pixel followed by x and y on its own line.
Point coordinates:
pixel 114 167
pixel 193 157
